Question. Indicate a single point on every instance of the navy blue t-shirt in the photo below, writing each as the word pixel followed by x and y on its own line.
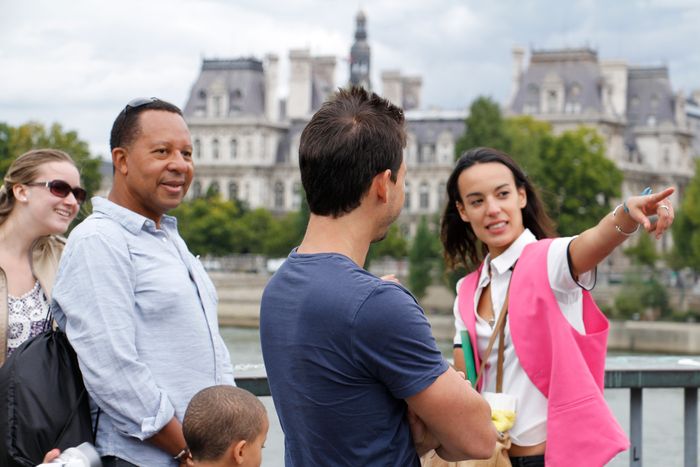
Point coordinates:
pixel 343 349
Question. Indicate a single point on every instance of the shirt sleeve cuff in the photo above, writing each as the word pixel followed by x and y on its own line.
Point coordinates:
pixel 152 425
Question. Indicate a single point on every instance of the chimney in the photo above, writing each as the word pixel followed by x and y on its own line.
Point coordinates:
pixel 518 58
pixel 299 99
pixel 271 76
pixel 392 87
pixel 412 86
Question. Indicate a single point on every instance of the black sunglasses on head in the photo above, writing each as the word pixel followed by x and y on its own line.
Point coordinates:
pixel 62 189
pixel 138 102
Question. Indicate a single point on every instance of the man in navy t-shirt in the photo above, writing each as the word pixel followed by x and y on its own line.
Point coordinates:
pixel 353 367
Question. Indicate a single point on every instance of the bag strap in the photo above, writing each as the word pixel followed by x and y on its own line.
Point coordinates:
pixel 501 350
pixel 4 312
pixel 498 332
pixel 74 410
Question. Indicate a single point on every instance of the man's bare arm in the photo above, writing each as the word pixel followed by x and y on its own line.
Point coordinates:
pixel 457 416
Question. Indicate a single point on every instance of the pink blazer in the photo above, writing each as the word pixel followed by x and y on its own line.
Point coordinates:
pixel 568 368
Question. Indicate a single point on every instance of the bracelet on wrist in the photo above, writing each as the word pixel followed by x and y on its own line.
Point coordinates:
pixel 617 227
pixel 182 454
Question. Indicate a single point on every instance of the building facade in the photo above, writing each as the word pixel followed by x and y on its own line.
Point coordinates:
pixel 647 127
pixel 643 121
pixel 246 139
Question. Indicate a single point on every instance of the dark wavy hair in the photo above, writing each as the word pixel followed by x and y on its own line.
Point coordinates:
pixel 461 246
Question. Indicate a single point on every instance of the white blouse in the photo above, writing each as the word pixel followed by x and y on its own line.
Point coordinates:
pixel 530 426
pixel 27 317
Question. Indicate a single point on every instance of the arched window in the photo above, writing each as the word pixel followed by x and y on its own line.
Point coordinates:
pixel 233 149
pixel 213 189
pixel 424 196
pixel 197 148
pixel 552 101
pixel 215 148
pixel 196 189
pixel 296 196
pixel 279 195
pixel 233 191
pixel 442 193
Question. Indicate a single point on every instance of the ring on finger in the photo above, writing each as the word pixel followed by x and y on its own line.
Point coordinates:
pixel 663 206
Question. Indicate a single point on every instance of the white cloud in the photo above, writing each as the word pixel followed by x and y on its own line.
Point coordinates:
pixel 78 62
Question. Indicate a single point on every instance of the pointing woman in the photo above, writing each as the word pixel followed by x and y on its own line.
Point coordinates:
pixel 527 310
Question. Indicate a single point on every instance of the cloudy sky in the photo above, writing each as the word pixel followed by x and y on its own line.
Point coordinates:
pixel 77 62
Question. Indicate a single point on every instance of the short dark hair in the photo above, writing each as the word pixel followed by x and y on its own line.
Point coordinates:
pixel 218 416
pixel 458 239
pixel 126 127
pixel 354 136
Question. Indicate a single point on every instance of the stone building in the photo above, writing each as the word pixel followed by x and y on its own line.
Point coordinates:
pixel 645 124
pixel 643 121
pixel 246 138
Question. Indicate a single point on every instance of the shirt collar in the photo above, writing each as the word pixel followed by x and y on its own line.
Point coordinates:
pixel 130 220
pixel 507 259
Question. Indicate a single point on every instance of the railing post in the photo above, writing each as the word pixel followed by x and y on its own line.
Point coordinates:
pixel 690 431
pixel 636 427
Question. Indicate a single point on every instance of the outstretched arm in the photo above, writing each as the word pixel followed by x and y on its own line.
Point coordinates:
pixel 596 243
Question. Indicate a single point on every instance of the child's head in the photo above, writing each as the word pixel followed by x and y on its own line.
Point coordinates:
pixel 225 425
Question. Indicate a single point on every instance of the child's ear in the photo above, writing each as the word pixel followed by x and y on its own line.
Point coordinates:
pixel 238 451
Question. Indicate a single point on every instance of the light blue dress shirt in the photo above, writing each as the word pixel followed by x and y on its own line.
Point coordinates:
pixel 141 313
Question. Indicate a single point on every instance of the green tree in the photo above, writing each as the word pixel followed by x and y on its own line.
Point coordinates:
pixel 576 179
pixel 18 140
pixel 393 245
pixel 283 235
pixel 642 297
pixel 686 227
pixel 6 153
pixel 643 253
pixel 526 140
pixel 484 127
pixel 423 257
pixel 209 225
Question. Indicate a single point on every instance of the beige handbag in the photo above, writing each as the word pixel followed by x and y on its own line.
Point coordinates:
pixel 499 458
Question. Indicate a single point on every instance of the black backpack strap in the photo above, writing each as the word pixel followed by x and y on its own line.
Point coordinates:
pixel 97 423
pixel 74 410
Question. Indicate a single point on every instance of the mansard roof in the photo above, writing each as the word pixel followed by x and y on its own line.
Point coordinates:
pixel 572 68
pixel 427 125
pixel 649 95
pixel 241 79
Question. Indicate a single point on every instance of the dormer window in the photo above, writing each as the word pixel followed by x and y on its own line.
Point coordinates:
pixel 552 101
pixel 654 101
pixel 532 99
pixel 215 148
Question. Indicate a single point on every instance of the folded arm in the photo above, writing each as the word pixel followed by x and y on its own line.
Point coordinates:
pixel 455 417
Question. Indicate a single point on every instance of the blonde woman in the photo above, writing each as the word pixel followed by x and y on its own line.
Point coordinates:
pixel 39 197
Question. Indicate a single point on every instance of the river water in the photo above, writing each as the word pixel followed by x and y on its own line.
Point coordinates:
pixel 662 412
